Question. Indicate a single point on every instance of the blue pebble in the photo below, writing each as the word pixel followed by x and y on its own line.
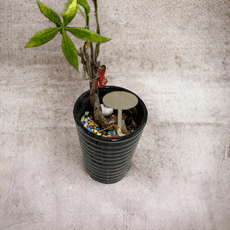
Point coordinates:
pixel 88 128
pixel 114 132
pixel 110 132
pixel 97 129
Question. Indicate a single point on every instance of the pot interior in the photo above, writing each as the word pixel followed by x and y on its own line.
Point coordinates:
pixel 139 112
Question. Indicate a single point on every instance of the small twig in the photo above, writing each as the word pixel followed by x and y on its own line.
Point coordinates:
pixel 88 65
pixel 85 50
pixel 109 127
pixel 118 130
pixel 111 122
pixel 80 54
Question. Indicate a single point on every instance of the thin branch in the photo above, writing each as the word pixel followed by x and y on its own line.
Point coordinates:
pixel 80 54
pixel 88 64
pixel 91 94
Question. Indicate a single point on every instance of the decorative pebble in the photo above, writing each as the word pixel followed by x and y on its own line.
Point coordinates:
pixel 86 114
pixel 106 111
pixel 93 127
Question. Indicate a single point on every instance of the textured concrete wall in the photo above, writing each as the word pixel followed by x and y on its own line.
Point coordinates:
pixel 176 56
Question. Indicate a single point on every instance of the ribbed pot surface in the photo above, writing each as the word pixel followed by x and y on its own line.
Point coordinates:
pixel 107 160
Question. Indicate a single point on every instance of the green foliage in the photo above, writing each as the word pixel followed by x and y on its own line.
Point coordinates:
pixel 50 14
pixel 42 37
pixel 70 11
pixel 86 34
pixel 85 4
pixel 69 50
pixel 83 14
pixel 68 14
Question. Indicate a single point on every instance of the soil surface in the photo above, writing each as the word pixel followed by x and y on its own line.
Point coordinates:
pixel 128 124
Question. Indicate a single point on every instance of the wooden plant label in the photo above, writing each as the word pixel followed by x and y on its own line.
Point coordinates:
pixel 120 100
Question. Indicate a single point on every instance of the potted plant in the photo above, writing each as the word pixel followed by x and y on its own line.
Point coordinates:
pixel 106 158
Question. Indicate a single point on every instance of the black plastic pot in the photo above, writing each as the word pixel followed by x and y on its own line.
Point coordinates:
pixel 105 159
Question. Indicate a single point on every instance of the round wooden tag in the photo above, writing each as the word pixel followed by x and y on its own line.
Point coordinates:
pixel 120 100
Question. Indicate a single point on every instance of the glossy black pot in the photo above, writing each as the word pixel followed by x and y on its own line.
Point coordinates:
pixel 107 160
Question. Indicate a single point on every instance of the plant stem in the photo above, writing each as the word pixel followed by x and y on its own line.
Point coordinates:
pixel 87 19
pixel 58 27
pixel 91 65
pixel 98 29
pixel 96 16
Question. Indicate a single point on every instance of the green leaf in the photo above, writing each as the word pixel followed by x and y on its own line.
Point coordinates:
pixel 86 34
pixel 69 50
pixel 82 12
pixel 70 11
pixel 42 37
pixel 85 4
pixel 50 14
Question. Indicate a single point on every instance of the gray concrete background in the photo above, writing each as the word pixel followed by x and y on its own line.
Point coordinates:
pixel 176 56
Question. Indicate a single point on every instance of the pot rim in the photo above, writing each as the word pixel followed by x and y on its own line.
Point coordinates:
pixel 114 139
